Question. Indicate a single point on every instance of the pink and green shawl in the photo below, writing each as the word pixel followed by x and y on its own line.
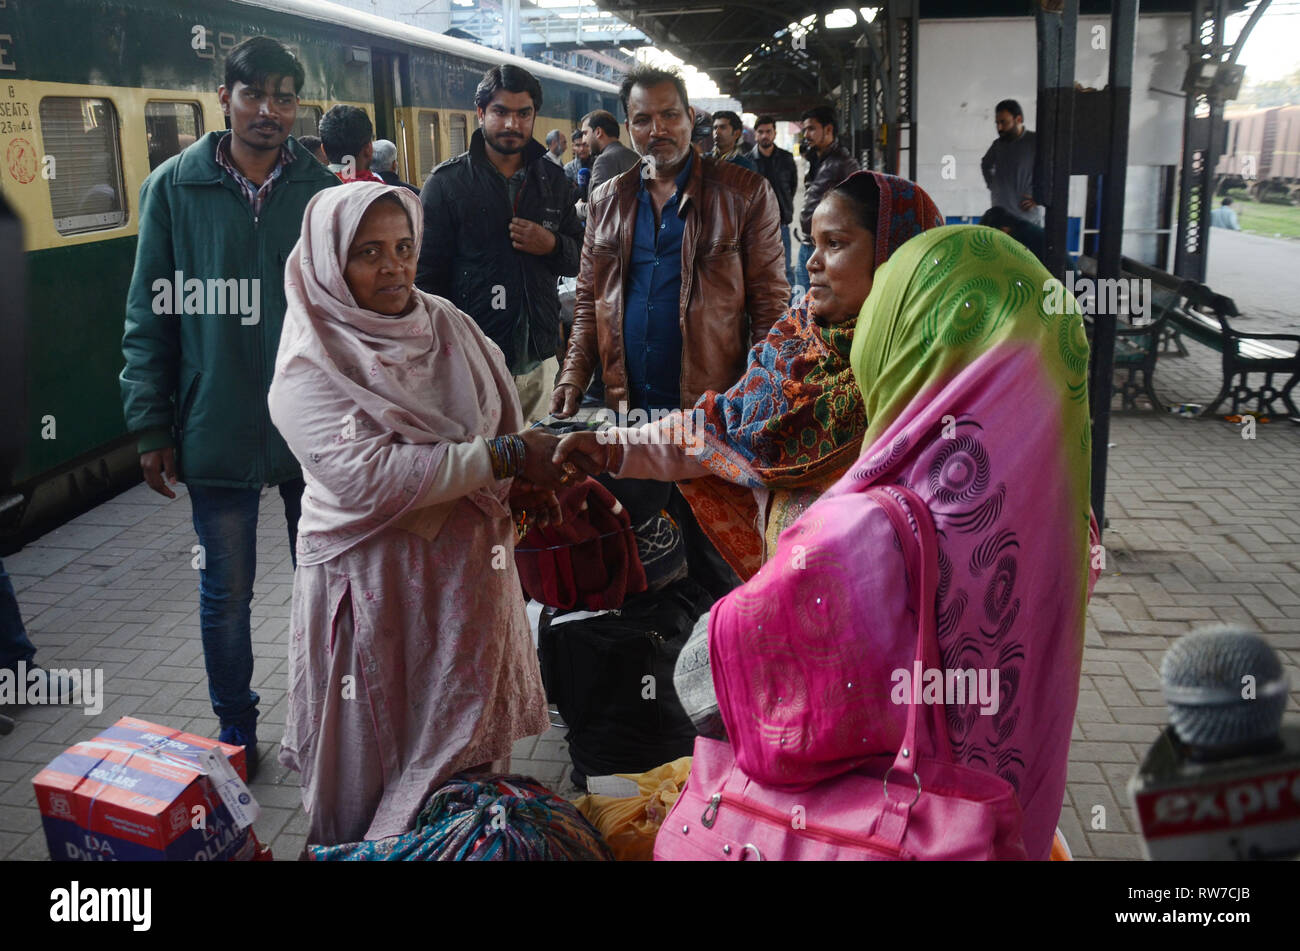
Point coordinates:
pixel 977 398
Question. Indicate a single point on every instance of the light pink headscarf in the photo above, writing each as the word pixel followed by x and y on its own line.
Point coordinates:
pixel 368 403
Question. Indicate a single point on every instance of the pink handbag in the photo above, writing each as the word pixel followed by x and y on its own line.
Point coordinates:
pixel 917 807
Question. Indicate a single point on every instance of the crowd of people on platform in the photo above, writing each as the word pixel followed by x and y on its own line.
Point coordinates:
pixel 407 343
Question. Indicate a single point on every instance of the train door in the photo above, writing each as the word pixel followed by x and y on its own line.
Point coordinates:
pixel 391 84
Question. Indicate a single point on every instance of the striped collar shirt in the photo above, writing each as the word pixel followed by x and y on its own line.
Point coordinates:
pixel 255 194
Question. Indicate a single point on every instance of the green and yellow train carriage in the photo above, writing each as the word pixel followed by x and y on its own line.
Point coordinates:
pixel 96 93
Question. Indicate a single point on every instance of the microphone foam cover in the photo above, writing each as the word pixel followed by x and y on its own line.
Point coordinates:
pixel 1208 695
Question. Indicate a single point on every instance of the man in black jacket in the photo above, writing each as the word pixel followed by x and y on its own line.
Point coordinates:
pixel 777 166
pixel 834 164
pixel 499 229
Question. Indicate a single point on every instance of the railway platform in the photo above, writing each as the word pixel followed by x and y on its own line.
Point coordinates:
pixel 1193 538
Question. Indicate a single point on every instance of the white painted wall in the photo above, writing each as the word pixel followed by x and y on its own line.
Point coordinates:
pixel 965 67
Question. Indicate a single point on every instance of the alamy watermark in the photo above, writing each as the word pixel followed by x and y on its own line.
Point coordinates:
pixel 669 427
pixel 1094 297
pixel 30 686
pixel 101 904
pixel 954 686
pixel 214 297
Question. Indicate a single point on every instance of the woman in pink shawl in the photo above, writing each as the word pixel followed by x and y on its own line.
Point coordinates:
pixel 410 657
pixel 977 398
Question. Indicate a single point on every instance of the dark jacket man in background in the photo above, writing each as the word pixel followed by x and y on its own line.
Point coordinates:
pixel 221 216
pixel 578 172
pixel 1008 165
pixel 610 157
pixel 834 164
pixel 499 229
pixel 777 166
pixel 728 141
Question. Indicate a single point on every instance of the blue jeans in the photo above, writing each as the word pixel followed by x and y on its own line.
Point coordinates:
pixel 14 645
pixel 226 523
pixel 799 286
pixel 785 243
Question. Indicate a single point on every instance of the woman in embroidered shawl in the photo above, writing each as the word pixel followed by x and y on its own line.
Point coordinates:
pixel 794 422
pixel 410 656
pixel 978 402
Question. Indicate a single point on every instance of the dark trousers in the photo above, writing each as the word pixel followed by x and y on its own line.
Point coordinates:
pixel 703 561
pixel 14 644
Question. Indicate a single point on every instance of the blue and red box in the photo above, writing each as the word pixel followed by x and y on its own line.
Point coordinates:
pixel 136 792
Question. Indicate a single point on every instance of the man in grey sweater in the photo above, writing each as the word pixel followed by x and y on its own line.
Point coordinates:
pixel 1008 165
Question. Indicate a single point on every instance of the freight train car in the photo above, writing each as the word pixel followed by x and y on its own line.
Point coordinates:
pixel 1262 152
pixel 96 93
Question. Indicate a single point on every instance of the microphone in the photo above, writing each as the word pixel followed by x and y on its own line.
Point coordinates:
pixel 1223 779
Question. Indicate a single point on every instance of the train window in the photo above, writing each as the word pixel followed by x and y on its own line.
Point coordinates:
pixel 82 137
pixel 430 147
pixel 170 127
pixel 308 121
pixel 459 140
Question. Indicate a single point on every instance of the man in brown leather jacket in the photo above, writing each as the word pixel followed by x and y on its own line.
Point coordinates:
pixel 682 265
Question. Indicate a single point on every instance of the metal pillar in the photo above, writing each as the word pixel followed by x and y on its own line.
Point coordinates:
pixel 1057 24
pixel 902 25
pixel 847 118
pixel 1202 117
pixel 860 120
pixel 1123 43
pixel 882 95
pixel 871 101
pixel 511 27
pixel 1202 133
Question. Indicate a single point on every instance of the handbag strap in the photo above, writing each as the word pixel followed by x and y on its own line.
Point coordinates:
pixel 914 526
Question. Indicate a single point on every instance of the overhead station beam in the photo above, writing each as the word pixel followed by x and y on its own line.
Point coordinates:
pixel 507 24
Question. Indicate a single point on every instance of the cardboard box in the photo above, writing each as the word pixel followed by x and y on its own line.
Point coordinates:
pixel 136 792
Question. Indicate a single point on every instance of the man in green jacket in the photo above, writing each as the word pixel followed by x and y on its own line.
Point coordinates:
pixel 203 319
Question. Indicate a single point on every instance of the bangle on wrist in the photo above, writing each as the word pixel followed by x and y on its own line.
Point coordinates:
pixel 507 454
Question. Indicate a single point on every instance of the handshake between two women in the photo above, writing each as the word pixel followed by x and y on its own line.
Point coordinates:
pixel 542 463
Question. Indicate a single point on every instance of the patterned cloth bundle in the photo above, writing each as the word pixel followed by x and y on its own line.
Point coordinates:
pixel 493 818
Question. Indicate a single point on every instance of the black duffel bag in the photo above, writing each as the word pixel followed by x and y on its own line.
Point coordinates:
pixel 611 677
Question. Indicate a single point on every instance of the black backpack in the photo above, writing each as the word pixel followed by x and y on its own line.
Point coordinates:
pixel 611 677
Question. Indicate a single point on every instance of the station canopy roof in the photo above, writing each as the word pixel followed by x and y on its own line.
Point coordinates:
pixel 781 56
